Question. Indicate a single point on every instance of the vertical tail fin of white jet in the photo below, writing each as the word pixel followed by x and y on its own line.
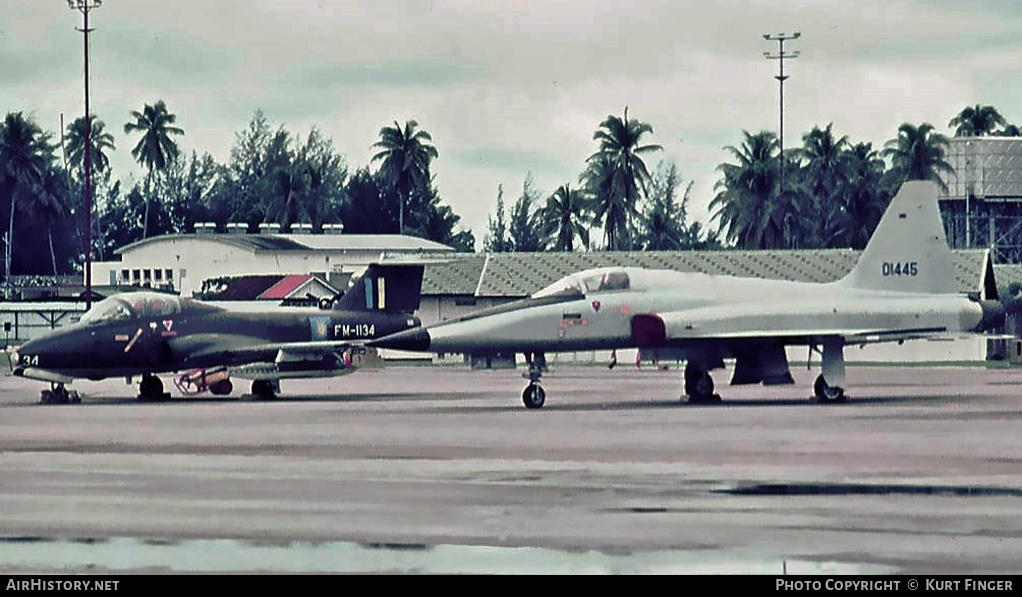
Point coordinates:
pixel 908 251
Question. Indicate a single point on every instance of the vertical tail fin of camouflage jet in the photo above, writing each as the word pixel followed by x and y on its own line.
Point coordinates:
pixel 390 287
pixel 908 251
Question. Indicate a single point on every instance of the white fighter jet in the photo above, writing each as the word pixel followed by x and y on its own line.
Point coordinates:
pixel 902 288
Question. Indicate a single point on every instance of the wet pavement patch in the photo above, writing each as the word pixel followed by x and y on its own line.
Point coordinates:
pixel 778 489
pixel 69 555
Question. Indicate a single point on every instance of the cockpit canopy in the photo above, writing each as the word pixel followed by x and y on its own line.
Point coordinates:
pixel 134 305
pixel 588 282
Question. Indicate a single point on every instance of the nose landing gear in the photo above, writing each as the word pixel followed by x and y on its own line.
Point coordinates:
pixel 534 396
pixel 58 394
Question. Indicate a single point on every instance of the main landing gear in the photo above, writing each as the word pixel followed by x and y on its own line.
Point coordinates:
pixel 265 389
pixel 58 394
pixel 150 389
pixel 825 394
pixel 534 396
pixel 829 386
pixel 699 385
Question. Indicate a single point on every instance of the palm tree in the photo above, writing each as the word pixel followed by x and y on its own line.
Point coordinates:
pixel 24 157
pixel 50 204
pixel 1009 130
pixel 563 217
pixel 821 215
pixel 918 154
pixel 976 121
pixel 747 203
pixel 825 158
pixel 618 175
pixel 865 194
pixel 406 155
pixel 663 226
pixel 155 150
pixel 99 139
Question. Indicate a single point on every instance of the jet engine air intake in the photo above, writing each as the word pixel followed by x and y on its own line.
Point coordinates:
pixel 648 330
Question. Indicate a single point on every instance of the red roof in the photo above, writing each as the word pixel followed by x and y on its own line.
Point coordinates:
pixel 285 287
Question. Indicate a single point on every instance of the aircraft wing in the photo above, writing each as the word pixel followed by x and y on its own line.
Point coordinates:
pixel 240 349
pixel 858 322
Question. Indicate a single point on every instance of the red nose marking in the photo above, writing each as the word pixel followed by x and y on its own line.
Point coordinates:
pixel 596 305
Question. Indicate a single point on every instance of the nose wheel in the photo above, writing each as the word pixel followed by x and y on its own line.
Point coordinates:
pixel 534 396
pixel 58 394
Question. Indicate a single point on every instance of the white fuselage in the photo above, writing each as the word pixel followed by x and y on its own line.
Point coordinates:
pixel 699 306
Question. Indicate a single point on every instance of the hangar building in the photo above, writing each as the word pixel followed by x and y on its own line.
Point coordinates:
pixel 181 262
pixel 983 204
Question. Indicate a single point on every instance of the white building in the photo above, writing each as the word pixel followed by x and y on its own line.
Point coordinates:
pixel 180 262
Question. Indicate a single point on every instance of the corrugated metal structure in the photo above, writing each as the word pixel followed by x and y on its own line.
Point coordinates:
pixel 983 205
pixel 463 282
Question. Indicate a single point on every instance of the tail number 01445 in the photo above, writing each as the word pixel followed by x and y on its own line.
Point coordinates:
pixel 908 268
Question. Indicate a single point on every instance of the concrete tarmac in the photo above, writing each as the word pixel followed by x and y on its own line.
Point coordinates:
pixel 441 469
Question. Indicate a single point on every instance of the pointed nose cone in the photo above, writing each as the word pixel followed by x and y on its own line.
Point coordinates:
pixel 416 339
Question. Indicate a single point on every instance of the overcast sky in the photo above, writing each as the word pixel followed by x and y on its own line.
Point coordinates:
pixel 508 87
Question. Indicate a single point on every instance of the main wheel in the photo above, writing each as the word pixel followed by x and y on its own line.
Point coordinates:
pixel 150 388
pixel 699 386
pixel 704 386
pixel 534 396
pixel 263 389
pixel 827 393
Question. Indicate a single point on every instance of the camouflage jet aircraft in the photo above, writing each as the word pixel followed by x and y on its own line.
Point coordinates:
pixel 902 288
pixel 144 333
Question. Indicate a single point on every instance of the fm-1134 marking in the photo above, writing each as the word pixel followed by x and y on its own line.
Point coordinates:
pixel 355 330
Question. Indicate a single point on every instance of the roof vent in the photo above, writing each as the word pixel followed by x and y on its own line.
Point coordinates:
pixel 333 228
pixel 269 228
pixel 237 228
pixel 301 228
pixel 205 227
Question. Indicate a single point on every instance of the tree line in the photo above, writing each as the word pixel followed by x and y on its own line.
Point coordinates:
pixel 832 195
pixel 272 175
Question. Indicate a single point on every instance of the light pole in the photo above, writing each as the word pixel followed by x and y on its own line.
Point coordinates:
pixel 84 6
pixel 780 57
